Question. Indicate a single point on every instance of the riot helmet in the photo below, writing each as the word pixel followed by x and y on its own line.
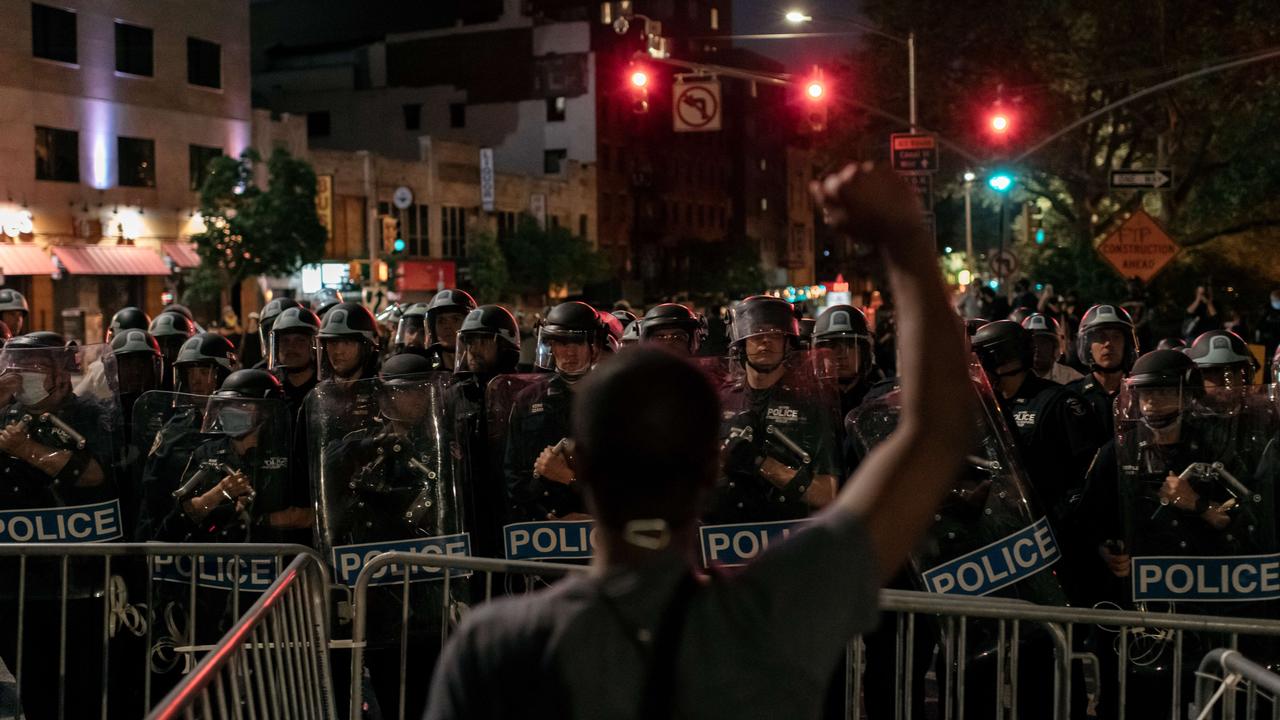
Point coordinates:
pixel 179 309
pixel 445 314
pixel 1003 348
pixel 1164 384
pixel 569 339
pixel 292 342
pixel 1108 326
pixel 1020 314
pixel 204 361
pixel 238 408
pixel 1171 343
pixel 171 330
pixel 757 319
pixel 401 387
pixel 1227 367
pixel 44 361
pixel 488 341
pixel 631 334
pixel 348 343
pixel 324 300
pixel 1045 339
pixel 138 360
pixel 842 330
pixel 268 316
pixel 674 325
pixel 611 338
pixel 411 330
pixel 129 318
pixel 13 310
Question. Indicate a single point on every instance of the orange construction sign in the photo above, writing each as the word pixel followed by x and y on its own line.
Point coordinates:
pixel 1139 247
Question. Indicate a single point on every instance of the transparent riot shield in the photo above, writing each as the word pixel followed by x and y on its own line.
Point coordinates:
pixel 990 536
pixel 528 418
pixel 479 471
pixel 781 456
pixel 1197 475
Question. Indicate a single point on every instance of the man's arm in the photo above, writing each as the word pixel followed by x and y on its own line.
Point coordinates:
pixel 897 487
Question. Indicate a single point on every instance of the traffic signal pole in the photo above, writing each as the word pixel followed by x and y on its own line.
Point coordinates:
pixel 911 78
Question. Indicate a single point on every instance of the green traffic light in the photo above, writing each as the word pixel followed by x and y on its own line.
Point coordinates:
pixel 1000 182
pixel 398 245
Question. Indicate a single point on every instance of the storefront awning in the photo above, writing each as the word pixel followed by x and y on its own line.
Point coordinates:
pixel 25 260
pixel 183 254
pixel 110 260
pixel 425 275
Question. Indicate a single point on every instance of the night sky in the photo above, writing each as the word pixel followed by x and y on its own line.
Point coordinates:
pixel 766 16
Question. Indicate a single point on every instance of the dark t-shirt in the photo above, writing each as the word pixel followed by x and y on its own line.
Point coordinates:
pixel 760 643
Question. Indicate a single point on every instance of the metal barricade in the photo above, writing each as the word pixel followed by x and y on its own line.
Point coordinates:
pixel 104 629
pixel 273 664
pixel 1236 669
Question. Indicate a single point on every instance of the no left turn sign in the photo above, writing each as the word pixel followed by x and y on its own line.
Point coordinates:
pixel 695 105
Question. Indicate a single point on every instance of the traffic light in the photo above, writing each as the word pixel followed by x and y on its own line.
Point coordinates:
pixel 814 101
pixel 638 85
pixel 1000 181
pixel 1000 122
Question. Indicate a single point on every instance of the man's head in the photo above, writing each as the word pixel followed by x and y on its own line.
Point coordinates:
pixel 171 330
pixel 138 361
pixel 348 342
pixel 403 390
pixel 1227 366
pixel 14 310
pixel 488 341
pixel 445 314
pixel 293 339
pixel 1107 342
pixel 44 362
pixel 651 394
pixel 674 327
pixel 842 331
pixel 764 331
pixel 1004 348
pixel 569 339
pixel 204 362
pixel 1164 383
pixel 270 313
pixel 1045 339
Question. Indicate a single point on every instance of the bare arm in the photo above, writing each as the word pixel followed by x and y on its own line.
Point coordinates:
pixel 898 486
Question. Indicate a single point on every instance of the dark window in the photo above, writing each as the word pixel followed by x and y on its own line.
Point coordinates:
pixel 507 223
pixel 555 222
pixel 134 50
pixel 553 161
pixel 457 115
pixel 582 226
pixel 318 123
pixel 414 222
pixel 53 33
pixel 555 109
pixel 413 116
pixel 57 154
pixel 605 155
pixel 199 157
pixel 453 231
pixel 204 63
pixel 137 162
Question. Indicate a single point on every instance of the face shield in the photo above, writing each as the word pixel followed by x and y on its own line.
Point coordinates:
pixel 342 358
pixel 233 416
pixel 849 356
pixel 137 373
pixel 291 351
pixel 1225 387
pixel 411 332
pixel 444 327
pixel 1108 347
pixel 567 352
pixel 404 400
pixel 170 345
pixel 37 377
pixel 477 353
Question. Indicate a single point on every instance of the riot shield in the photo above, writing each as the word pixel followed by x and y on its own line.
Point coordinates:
pixel 781 457
pixel 990 536
pixel 1197 475
pixel 58 450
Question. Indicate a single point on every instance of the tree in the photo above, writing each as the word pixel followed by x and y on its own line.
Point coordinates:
pixel 488 265
pixel 250 231
pixel 538 259
pixel 1052 63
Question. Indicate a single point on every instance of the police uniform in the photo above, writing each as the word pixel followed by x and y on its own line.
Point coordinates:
pixel 465 405
pixel 267 469
pixel 743 494
pixel 25 486
pixel 539 419
pixel 1101 401
pixel 163 468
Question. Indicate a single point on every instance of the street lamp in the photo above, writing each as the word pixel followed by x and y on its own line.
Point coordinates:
pixel 796 17
pixel 969 177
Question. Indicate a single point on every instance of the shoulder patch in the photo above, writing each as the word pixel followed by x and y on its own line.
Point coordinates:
pixel 1075 407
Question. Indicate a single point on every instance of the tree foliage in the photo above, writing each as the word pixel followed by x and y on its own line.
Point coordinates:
pixel 1051 63
pixel 537 259
pixel 488 265
pixel 252 231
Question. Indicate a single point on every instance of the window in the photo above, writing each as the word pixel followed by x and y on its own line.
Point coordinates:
pixel 715 19
pixel 412 116
pixel 507 223
pixel 318 123
pixel 204 63
pixel 53 33
pixel 57 155
pixel 457 115
pixel 453 221
pixel 415 222
pixel 137 162
pixel 555 109
pixel 582 226
pixel 198 157
pixel 553 161
pixel 555 222
pixel 133 50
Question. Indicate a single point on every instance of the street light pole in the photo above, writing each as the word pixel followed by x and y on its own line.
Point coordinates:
pixel 968 222
pixel 911 77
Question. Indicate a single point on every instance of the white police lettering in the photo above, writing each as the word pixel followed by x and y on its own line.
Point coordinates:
pixel 1207 579
pixel 275 462
pixel 997 565
pixel 99 522
pixel 782 414
pixel 732 545
pixel 551 540
pixel 1024 418
pixel 349 560
pixel 535 408
pixel 249 572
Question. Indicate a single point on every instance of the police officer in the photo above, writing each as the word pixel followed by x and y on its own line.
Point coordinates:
pixel 842 330
pixel 1224 360
pixel 445 314
pixel 325 300
pixel 628 320
pixel 488 345
pixel 1107 345
pixel 778 436
pixel 14 310
pixel 270 312
pixel 541 484
pixel 291 353
pixel 127 318
pixel 348 344
pixel 411 331
pixel 139 368
pixel 1046 338
pixel 171 330
pixel 674 327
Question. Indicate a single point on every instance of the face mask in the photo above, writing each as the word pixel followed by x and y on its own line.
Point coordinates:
pixel 33 391
pixel 236 422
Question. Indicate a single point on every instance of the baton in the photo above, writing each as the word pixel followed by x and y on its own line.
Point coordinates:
pixel 788 443
pixel 66 429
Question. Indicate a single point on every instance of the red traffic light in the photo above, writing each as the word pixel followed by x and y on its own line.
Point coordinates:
pixel 814 90
pixel 1000 123
pixel 639 78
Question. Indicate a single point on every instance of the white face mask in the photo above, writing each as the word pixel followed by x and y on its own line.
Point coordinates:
pixel 32 391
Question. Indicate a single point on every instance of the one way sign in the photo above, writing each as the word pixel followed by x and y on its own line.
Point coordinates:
pixel 1141 179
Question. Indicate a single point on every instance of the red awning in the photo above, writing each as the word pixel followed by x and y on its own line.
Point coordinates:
pixel 110 260
pixel 423 275
pixel 183 254
pixel 25 260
